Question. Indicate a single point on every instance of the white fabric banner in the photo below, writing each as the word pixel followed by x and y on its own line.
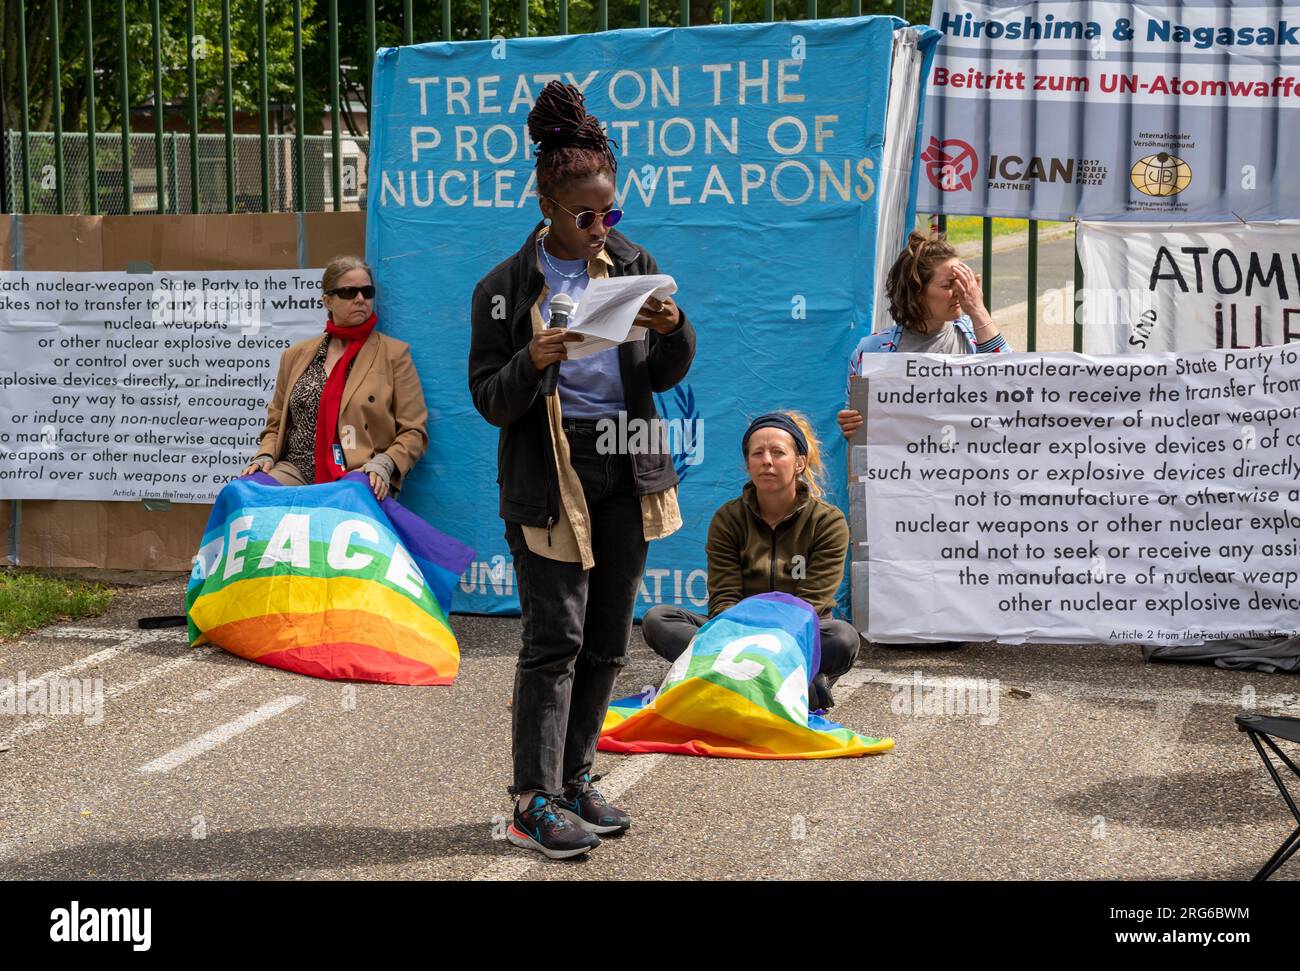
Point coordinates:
pixel 1069 498
pixel 1151 287
pixel 141 385
pixel 1132 111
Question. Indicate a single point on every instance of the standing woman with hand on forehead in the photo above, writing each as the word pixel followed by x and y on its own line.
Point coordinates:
pixel 347 400
pixel 938 308
pixel 577 518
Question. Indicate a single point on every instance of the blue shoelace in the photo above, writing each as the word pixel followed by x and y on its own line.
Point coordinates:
pixel 546 811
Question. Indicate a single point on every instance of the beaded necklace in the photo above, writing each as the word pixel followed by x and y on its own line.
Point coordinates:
pixel 551 263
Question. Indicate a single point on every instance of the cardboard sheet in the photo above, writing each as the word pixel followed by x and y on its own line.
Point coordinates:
pixel 203 242
pixel 112 535
pixel 126 535
pixel 63 243
pixel 331 234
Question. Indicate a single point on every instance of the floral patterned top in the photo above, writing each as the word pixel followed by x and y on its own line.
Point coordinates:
pixel 304 402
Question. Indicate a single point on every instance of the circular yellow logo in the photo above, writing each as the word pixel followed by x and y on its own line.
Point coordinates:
pixel 1161 174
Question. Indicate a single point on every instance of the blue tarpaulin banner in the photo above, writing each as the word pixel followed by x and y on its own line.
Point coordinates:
pixel 1114 111
pixel 749 163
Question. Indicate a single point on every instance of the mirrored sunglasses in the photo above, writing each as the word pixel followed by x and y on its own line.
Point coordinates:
pixel 584 219
pixel 609 217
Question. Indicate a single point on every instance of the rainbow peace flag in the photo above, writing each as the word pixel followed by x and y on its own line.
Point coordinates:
pixel 324 580
pixel 739 691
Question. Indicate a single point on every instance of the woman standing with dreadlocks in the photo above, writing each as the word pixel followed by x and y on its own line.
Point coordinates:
pixel 577 519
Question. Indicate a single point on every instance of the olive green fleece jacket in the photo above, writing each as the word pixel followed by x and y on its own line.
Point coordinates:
pixel 804 555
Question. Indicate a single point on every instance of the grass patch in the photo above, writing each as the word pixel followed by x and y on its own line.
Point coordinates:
pixel 30 600
pixel 968 229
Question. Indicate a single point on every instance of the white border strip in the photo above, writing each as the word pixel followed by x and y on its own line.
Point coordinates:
pixel 220 735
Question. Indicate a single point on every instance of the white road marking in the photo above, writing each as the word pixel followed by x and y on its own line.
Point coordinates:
pixel 108 653
pixel 130 640
pixel 159 670
pixel 852 680
pixel 632 770
pixel 117 690
pixel 206 694
pixel 220 735
pixel 7 847
pixel 1092 692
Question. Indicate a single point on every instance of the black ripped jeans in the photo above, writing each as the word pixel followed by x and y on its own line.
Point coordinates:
pixel 576 624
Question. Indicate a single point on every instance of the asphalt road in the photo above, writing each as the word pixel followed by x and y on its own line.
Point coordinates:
pixel 1010 280
pixel 1097 766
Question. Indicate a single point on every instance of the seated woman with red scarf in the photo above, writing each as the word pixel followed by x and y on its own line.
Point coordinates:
pixel 347 400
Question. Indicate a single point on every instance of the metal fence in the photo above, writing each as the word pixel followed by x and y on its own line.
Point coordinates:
pixel 66 172
pixel 216 185
pixel 49 173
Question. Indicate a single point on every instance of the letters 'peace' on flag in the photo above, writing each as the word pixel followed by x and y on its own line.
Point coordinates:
pixel 324 580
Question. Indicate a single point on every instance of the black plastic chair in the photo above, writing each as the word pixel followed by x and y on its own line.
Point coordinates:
pixel 1259 727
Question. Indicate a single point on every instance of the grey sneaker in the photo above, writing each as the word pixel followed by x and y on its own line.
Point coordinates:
pixel 589 809
pixel 540 827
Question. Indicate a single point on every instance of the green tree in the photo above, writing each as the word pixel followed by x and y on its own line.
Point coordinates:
pixel 355 58
pixel 105 47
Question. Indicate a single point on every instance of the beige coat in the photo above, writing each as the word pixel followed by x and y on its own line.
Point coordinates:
pixel 383 406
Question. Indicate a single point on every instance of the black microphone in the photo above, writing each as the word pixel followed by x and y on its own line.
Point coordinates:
pixel 562 308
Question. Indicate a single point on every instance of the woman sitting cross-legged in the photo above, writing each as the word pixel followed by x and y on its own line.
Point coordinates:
pixel 778 535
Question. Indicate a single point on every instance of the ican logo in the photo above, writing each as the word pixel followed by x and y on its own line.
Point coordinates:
pixel 1016 172
pixel 950 165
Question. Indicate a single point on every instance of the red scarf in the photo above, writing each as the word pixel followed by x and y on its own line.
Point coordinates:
pixel 331 398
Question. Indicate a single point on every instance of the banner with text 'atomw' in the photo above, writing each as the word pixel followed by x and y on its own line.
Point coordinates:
pixel 1104 110
pixel 748 157
pixel 1061 497
pixel 1189 287
pixel 120 386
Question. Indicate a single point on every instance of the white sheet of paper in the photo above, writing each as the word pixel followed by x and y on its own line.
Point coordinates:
pixel 608 307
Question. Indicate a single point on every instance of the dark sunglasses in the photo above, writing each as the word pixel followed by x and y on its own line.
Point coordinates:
pixel 584 219
pixel 350 293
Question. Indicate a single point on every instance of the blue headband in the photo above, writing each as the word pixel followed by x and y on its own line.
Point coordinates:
pixel 776 419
